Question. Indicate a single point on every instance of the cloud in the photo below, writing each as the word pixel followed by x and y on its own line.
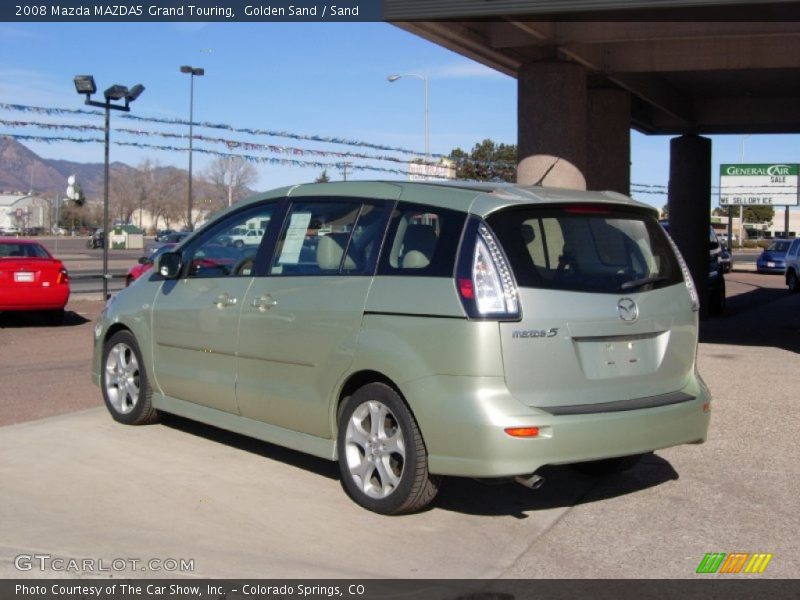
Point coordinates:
pixel 462 70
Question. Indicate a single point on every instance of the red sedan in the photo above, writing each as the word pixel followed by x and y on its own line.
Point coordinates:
pixel 31 279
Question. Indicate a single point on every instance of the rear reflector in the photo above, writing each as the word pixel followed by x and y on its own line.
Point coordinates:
pixel 466 288
pixel 522 432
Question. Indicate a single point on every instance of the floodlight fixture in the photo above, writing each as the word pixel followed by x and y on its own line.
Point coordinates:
pixel 134 92
pixel 84 84
pixel 116 92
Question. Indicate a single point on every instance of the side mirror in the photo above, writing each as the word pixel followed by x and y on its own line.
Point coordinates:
pixel 143 260
pixel 169 265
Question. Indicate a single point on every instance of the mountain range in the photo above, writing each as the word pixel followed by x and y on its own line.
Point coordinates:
pixel 22 170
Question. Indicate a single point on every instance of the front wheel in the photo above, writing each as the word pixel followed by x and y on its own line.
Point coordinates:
pixel 382 457
pixel 126 389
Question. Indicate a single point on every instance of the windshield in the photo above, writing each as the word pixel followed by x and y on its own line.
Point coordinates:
pixel 588 248
pixel 779 246
pixel 18 250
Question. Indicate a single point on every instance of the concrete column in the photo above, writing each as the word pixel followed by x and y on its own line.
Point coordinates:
pixel 608 152
pixel 551 124
pixel 689 206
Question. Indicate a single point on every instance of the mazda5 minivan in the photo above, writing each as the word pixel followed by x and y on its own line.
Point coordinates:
pixel 411 331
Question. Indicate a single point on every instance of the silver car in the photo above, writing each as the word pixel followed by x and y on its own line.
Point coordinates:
pixel 412 331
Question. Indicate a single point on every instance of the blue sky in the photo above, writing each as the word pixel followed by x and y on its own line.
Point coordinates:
pixel 320 79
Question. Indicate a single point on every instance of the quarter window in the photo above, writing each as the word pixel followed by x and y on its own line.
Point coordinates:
pixel 422 241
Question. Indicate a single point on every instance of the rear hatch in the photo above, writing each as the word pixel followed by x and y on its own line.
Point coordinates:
pixel 605 312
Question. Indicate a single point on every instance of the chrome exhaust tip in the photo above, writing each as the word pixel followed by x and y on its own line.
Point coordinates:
pixel 532 482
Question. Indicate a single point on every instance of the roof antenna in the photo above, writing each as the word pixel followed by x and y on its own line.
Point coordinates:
pixel 547 172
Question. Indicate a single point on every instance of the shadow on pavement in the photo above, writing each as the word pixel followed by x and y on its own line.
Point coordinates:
pixel 19 319
pixel 763 316
pixel 563 486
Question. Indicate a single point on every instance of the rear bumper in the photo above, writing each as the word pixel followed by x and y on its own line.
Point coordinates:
pixel 52 298
pixel 462 420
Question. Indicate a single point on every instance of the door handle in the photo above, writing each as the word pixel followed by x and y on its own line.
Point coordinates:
pixel 264 303
pixel 224 300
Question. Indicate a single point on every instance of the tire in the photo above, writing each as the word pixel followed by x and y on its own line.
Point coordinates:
pixel 238 244
pixel 792 282
pixel 608 466
pixel 123 379
pixel 383 461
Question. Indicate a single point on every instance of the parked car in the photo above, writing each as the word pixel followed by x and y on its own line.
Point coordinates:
pixel 176 237
pixel 793 266
pixel 245 237
pixel 144 264
pixel 161 234
pixel 440 330
pixel 31 279
pixel 96 240
pixel 725 260
pixel 716 268
pixel 773 259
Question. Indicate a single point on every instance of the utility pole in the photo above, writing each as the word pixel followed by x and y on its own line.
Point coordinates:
pixel 345 166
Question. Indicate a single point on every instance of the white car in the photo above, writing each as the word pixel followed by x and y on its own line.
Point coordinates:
pixel 246 237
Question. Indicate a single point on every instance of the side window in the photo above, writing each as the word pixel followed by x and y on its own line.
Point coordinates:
pixel 229 249
pixel 328 238
pixel 795 247
pixel 422 241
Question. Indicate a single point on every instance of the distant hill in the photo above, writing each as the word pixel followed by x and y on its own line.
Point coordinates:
pixel 18 162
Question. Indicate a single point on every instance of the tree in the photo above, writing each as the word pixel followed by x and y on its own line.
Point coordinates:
pixel 229 178
pixel 487 161
pixel 323 177
pixel 759 214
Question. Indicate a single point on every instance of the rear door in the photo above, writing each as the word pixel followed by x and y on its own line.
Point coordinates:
pixel 300 322
pixel 605 311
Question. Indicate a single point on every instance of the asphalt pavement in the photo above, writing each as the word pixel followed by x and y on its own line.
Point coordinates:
pixel 79 485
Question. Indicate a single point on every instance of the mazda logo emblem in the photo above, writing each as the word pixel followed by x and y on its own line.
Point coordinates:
pixel 627 310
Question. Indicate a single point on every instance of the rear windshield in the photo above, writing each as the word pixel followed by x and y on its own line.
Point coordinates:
pixel 596 249
pixel 14 250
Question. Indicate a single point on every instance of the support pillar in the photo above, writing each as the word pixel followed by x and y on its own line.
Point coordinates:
pixel 609 141
pixel 552 124
pixel 689 206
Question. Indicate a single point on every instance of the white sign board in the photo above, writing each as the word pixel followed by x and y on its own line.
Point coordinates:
pixel 427 172
pixel 758 185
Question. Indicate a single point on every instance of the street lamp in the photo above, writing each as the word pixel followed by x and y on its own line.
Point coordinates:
pixel 84 84
pixel 392 79
pixel 191 71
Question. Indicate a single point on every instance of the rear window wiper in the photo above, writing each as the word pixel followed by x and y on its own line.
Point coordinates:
pixel 635 283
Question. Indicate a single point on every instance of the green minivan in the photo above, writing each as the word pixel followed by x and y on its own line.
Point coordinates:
pixel 411 331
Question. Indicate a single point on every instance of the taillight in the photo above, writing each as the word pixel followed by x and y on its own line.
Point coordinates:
pixel 485 281
pixel 687 276
pixel 63 276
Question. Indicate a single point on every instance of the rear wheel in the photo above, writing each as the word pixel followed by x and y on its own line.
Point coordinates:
pixel 382 457
pixel 608 466
pixel 126 389
pixel 792 282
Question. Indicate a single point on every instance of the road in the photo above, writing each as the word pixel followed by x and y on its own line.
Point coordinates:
pixel 76 484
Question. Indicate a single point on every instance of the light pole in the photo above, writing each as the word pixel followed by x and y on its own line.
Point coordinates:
pixel 191 71
pixel 741 206
pixel 392 79
pixel 84 84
